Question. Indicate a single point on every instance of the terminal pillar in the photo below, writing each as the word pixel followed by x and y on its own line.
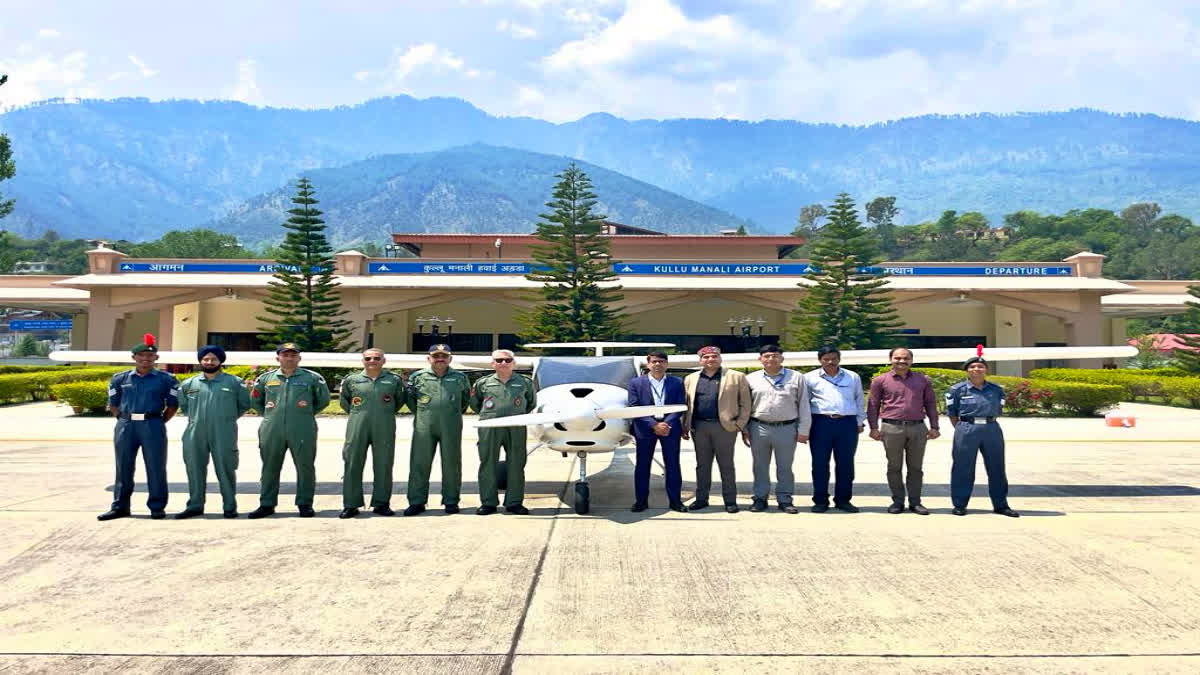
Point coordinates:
pixel 105 325
pixel 1008 332
pixel 185 326
pixel 1086 328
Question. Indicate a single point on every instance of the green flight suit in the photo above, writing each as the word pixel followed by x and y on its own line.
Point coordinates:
pixel 212 407
pixel 493 398
pixel 372 405
pixel 289 406
pixel 438 404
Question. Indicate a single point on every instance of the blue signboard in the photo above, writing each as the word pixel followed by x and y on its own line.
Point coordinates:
pixel 39 324
pixel 435 267
pixel 260 268
pixel 753 269
pixel 897 269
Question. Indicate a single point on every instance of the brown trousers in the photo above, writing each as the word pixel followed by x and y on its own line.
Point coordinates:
pixel 905 444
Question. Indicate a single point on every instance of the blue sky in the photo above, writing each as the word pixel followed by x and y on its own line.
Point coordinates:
pixel 843 61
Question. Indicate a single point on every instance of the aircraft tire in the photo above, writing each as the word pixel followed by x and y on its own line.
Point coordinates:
pixel 583 498
pixel 502 475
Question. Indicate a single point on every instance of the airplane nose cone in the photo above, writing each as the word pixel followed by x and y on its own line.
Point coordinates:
pixel 581 414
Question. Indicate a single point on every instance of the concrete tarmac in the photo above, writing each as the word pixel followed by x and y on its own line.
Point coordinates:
pixel 1100 573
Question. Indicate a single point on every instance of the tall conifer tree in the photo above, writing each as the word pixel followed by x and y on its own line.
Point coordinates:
pixel 1189 359
pixel 304 304
pixel 571 266
pixel 846 308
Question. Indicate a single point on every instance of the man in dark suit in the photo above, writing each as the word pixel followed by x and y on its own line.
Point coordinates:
pixel 657 388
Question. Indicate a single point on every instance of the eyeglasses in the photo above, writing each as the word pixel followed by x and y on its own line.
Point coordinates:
pixel 502 360
pixel 372 358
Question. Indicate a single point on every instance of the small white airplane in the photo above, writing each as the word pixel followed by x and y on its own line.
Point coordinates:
pixel 581 400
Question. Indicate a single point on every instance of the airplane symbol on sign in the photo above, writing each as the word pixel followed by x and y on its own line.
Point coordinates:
pixel 627 268
pixel 126 268
pixel 383 268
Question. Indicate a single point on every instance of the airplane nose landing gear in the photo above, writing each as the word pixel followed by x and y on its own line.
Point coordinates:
pixel 583 498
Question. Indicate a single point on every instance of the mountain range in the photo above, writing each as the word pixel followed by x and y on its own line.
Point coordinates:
pixel 133 168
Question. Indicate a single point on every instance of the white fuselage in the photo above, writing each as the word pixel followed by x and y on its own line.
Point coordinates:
pixel 582 431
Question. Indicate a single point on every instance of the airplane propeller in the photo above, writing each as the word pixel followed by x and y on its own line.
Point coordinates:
pixel 564 416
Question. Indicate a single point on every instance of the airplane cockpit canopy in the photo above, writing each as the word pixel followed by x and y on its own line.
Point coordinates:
pixel 614 370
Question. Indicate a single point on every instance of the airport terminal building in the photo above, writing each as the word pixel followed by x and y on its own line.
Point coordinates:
pixel 466 290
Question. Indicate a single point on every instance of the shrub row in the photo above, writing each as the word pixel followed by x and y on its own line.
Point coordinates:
pixel 8 370
pixel 1025 396
pixel 1168 383
pixel 92 396
pixel 17 387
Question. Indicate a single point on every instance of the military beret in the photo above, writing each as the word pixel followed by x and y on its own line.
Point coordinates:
pixel 148 344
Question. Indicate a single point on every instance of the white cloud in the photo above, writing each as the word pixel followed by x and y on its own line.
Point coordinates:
pixel 46 77
pixel 48 33
pixel 246 88
pixel 515 29
pixel 422 56
pixel 145 70
pixel 362 75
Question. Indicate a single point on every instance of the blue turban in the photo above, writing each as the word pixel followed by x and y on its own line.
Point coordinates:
pixel 211 349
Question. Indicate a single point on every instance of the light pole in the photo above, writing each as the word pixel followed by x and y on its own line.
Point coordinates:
pixel 499 250
pixel 745 328
pixel 435 325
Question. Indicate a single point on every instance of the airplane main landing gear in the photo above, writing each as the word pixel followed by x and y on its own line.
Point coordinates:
pixel 502 475
pixel 583 498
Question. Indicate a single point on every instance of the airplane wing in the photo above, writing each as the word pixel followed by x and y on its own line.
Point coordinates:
pixel 851 357
pixel 320 359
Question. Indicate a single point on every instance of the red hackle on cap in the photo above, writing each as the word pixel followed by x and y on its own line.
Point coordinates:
pixel 979 351
pixel 148 340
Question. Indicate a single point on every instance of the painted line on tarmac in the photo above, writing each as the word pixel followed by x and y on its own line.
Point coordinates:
pixel 831 655
pixel 511 655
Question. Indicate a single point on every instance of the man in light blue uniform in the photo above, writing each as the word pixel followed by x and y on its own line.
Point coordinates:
pixel 973 406
pixel 835 397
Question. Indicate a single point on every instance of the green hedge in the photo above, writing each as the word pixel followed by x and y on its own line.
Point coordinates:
pixel 19 387
pixel 83 396
pixel 8 370
pixel 1137 384
pixel 1077 398
pixel 1187 388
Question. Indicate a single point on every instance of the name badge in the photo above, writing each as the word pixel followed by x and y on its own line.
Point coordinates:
pixel 979 420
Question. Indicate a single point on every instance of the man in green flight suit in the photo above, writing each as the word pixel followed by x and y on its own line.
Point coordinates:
pixel 438 396
pixel 500 395
pixel 289 399
pixel 372 398
pixel 213 401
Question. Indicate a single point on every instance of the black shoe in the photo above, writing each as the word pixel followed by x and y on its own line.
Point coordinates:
pixel 819 508
pixel 414 510
pixel 847 507
pixel 731 508
pixel 348 513
pixel 450 509
pixel 485 510
pixel 231 514
pixel 919 509
pixel 189 513
pixel 383 510
pixel 758 505
pixel 788 508
pixel 517 510
pixel 959 511
pixel 113 514
pixel 896 508
pixel 678 506
pixel 638 507
pixel 261 512
pixel 1007 512
pixel 698 506
pixel 158 515
pixel 307 512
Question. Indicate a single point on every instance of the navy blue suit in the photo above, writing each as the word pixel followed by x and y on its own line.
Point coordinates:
pixel 643 432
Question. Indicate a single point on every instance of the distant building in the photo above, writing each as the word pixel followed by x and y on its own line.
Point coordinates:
pixel 32 267
pixel 1167 343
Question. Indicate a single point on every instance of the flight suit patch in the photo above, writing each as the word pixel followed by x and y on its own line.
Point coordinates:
pixel 302 403
pixel 424 399
pixel 517 402
pixel 270 404
pixel 489 403
pixel 387 398
pixel 273 383
pixel 356 401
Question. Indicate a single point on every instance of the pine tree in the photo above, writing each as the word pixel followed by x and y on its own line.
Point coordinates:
pixel 845 307
pixel 303 301
pixel 1189 359
pixel 571 266
pixel 26 345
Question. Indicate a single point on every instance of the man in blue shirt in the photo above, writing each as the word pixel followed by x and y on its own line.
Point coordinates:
pixel 142 400
pixel 973 406
pixel 835 397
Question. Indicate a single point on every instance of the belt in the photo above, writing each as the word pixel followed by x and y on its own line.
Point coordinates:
pixel 832 416
pixel 138 417
pixel 977 420
pixel 773 424
pixel 890 421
